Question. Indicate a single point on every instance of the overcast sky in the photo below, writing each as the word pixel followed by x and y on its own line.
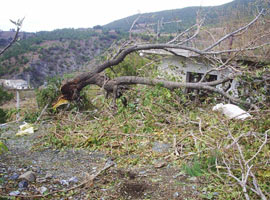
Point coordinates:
pixel 53 14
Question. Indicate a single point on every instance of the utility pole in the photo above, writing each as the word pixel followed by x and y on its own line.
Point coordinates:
pixel 18 105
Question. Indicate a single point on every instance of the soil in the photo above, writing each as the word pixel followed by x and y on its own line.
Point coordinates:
pixel 143 182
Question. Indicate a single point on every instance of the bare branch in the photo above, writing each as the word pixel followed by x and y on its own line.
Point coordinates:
pixel 18 25
pixel 235 32
pixel 259 150
pixel 133 24
pixel 181 34
pixel 238 50
pixel 194 35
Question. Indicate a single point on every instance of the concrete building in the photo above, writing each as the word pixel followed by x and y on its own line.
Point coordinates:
pixel 186 66
pixel 18 84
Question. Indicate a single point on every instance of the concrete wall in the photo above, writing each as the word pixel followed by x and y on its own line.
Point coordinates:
pixel 14 84
pixel 180 66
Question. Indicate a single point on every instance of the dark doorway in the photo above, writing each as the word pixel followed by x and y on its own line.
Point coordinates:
pixel 193 77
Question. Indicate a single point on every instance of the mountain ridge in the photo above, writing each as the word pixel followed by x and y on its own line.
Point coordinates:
pixel 49 53
pixel 187 15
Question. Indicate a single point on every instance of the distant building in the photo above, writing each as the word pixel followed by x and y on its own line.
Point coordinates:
pixel 112 32
pixel 18 84
pixel 98 30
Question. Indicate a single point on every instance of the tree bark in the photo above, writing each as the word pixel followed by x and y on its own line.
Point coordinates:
pixel 71 89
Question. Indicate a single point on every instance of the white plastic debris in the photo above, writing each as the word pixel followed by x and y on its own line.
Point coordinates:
pixel 25 129
pixel 231 111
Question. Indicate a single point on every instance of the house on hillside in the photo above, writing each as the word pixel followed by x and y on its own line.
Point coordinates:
pixel 189 67
pixel 18 84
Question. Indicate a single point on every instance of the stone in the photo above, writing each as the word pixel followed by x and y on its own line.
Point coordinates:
pixel 3 170
pixel 14 193
pixel 48 176
pixel 73 180
pixel 176 194
pixel 36 169
pixel 142 172
pixel 15 176
pixel 193 179
pixel 42 190
pixel 23 184
pixel 29 176
pixel 41 180
pixel 64 182
pixel 160 164
pixel 215 193
pixel 159 147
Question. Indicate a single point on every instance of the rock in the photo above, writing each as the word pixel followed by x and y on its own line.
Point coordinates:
pixel 176 194
pixel 64 182
pixel 48 176
pixel 193 179
pixel 23 184
pixel 73 180
pixel 160 164
pixel 11 169
pixel 29 176
pixel 42 190
pixel 36 169
pixel 159 147
pixel 215 194
pixel 3 170
pixel 41 180
pixel 15 176
pixel 14 193
pixel 179 174
pixel 142 172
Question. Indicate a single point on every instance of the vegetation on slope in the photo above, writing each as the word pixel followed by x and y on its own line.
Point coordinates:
pixel 50 53
pixel 214 15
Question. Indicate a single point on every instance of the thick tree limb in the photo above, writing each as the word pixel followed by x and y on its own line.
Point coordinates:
pixel 71 89
pixel 208 86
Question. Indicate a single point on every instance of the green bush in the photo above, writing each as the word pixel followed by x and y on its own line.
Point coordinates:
pixel 49 94
pixel 4 97
pixel 3 116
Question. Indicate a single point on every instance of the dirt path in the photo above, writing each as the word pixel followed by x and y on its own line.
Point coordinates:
pixel 57 170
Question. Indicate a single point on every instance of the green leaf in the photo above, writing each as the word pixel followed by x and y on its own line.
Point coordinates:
pixel 3 147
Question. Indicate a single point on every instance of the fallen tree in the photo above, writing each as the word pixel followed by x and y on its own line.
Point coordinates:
pixel 71 89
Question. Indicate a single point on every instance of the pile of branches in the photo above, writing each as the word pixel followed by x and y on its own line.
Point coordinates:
pixel 71 89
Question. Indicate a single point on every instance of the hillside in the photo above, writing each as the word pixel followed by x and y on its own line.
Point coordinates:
pixel 238 9
pixel 46 54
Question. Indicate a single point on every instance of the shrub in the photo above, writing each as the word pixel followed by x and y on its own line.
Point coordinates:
pixel 3 116
pixel 49 94
pixel 4 97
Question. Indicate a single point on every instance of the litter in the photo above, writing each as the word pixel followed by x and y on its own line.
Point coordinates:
pixel 231 111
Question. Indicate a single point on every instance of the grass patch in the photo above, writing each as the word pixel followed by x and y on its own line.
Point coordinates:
pixel 199 138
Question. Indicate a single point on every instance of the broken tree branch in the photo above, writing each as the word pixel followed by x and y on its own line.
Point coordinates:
pixel 235 32
pixel 71 89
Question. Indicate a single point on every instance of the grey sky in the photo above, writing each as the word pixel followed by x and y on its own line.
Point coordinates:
pixel 53 14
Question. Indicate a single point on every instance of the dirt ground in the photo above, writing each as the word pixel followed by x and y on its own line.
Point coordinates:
pixel 55 169
pixel 144 182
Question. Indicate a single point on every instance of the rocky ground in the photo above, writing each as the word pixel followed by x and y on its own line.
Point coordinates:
pixel 33 171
